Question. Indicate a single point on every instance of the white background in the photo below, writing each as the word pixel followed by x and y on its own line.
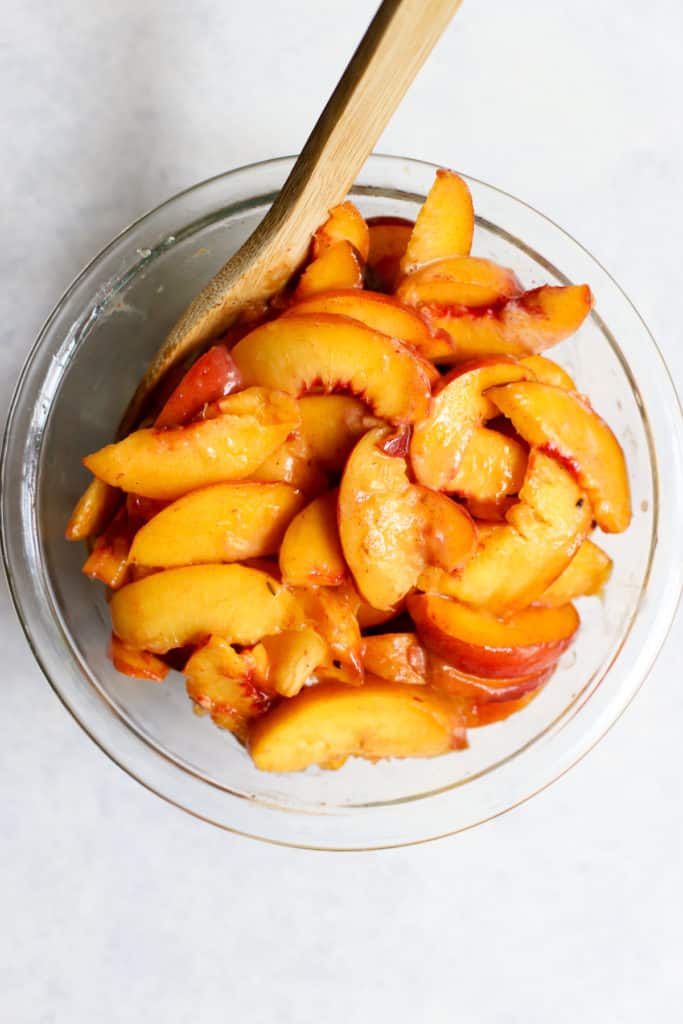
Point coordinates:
pixel 117 907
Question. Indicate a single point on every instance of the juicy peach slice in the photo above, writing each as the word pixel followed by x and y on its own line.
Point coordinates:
pixel 585 575
pixel 344 224
pixel 380 312
pixel 565 425
pixel 292 464
pixel 379 523
pixel 389 237
pixel 449 536
pixel 477 714
pixel 439 440
pixel 396 657
pixel 516 562
pixel 327 723
pixel 337 267
pixel 330 427
pixel 93 510
pixel 168 463
pixel 492 467
pixel 311 553
pixel 548 372
pixel 331 614
pixel 223 523
pixel 459 281
pixel 529 324
pixel 136 663
pixel 231 686
pixel 183 606
pixel 367 616
pixel 449 679
pixel 108 561
pixel 213 376
pixel 293 656
pixel 479 643
pixel 444 225
pixel 299 353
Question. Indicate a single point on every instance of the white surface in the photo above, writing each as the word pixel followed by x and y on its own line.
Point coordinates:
pixel 116 906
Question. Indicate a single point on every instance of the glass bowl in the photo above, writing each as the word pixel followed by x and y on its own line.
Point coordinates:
pixel 73 389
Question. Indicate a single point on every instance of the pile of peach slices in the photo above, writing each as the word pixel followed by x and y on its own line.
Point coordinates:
pixel 358 522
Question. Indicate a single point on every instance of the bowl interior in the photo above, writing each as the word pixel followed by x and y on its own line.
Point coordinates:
pixel 99 351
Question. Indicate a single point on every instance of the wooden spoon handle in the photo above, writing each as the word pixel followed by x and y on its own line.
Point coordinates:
pixel 395 46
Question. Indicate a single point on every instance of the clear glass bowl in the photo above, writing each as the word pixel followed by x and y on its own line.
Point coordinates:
pixel 74 387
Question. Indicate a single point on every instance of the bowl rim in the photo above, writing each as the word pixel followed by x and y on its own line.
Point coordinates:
pixel 377 159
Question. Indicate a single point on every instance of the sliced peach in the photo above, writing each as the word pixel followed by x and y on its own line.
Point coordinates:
pixel 449 536
pixel 389 238
pixel 177 607
pixel 444 225
pixel 293 464
pixel 487 513
pixel 231 686
pixel 293 656
pixel 477 642
pixel 447 678
pixel 299 353
pixel 222 523
pixel 492 467
pixel 327 723
pixel 517 561
pixel 168 463
pixel 367 616
pixel 548 372
pixel 459 281
pixel 131 661
pixel 108 561
pixel 459 406
pixel 337 267
pixel 478 714
pixel 564 424
pixel 529 324
pixel 396 657
pixel 213 376
pixel 379 522
pixel 380 312
pixel 585 575
pixel 311 553
pixel 93 511
pixel 344 224
pixel 331 614
pixel 330 427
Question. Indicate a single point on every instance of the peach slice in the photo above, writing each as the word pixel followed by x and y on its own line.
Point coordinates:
pixel 396 657
pixel 367 616
pixel 459 281
pixel 93 510
pixel 311 553
pixel 444 225
pixel 477 714
pixel 299 353
pixel 447 678
pixel 292 464
pixel 380 312
pixel 548 372
pixel 222 523
pixel 529 324
pixel 449 536
pixel 327 723
pixel 379 522
pixel 337 267
pixel 344 224
pixel 177 607
pixel 389 237
pixel 331 614
pixel 231 686
pixel 293 656
pixel 168 463
pixel 213 376
pixel 330 427
pixel 492 467
pixel 108 561
pixel 517 561
pixel 564 424
pixel 136 663
pixel 585 575
pixel 478 643
pixel 458 407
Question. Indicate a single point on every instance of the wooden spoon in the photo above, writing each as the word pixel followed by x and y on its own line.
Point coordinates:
pixel 389 56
